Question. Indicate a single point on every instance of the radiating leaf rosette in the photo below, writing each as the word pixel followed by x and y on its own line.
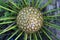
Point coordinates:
pixel 27 20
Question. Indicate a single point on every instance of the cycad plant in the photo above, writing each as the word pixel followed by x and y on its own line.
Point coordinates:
pixel 27 19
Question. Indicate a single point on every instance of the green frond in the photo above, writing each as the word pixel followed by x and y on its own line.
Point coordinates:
pixel 9 26
pixel 6 18
pixel 30 37
pixel 6 14
pixel 20 5
pixel 28 2
pixel 1 30
pixel 6 22
pixel 53 15
pixel 18 36
pixel 40 3
pixel 5 30
pixel 40 36
pixel 50 32
pixel 32 2
pixel 51 10
pixel 46 34
pixel 49 1
pixel 23 4
pixel 3 3
pixel 13 35
pixel 14 4
pixel 13 8
pixel 51 18
pixel 25 36
pixel 36 5
pixel 25 1
pixel 52 25
pixel 7 9
pixel 35 36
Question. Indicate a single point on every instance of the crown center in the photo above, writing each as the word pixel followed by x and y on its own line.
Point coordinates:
pixel 29 20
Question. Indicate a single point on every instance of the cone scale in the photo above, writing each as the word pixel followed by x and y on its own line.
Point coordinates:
pixel 29 20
